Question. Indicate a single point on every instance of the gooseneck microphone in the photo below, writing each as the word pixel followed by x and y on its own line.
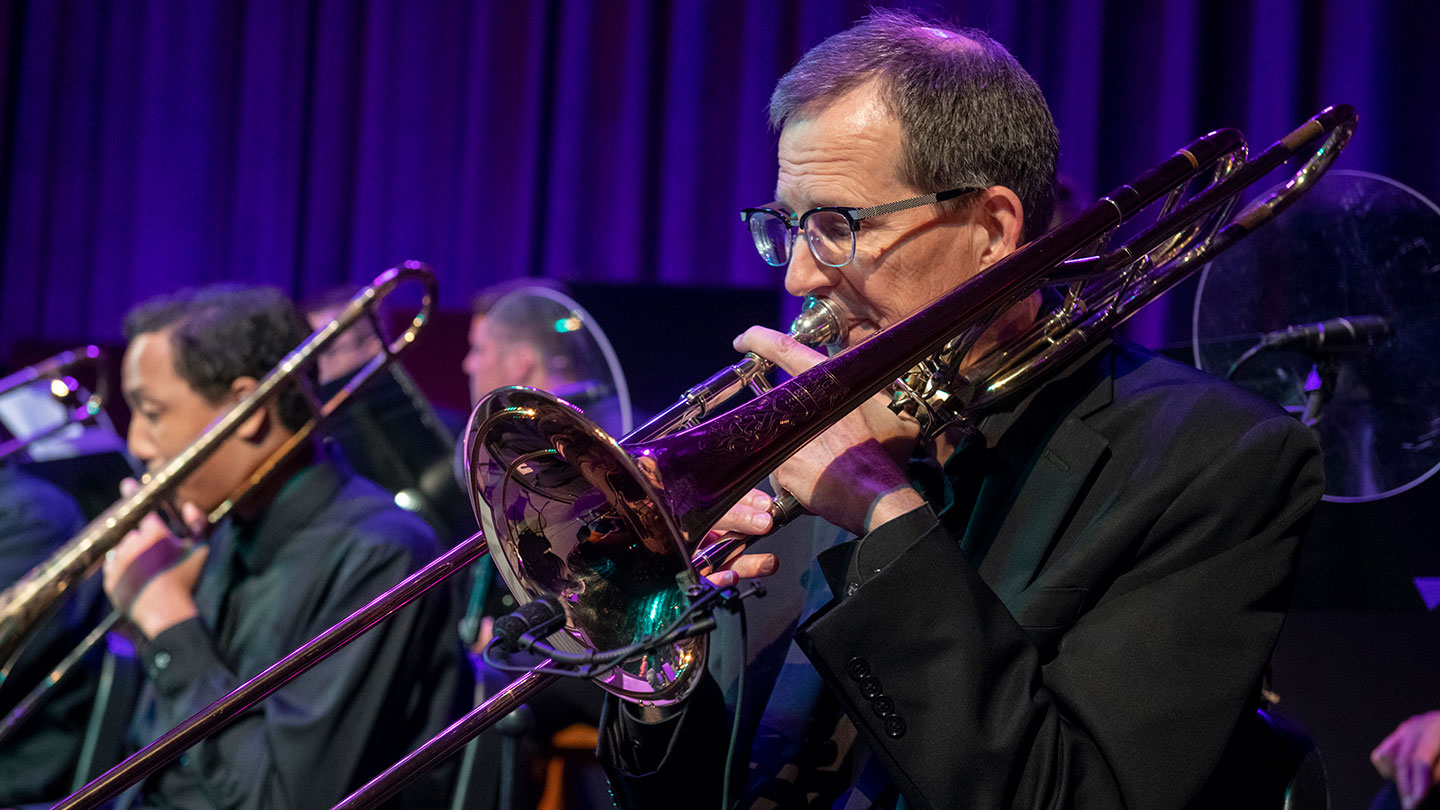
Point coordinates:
pixel 1334 333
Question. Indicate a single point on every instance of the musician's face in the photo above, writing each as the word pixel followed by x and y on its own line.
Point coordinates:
pixel 493 362
pixel 848 154
pixel 349 350
pixel 166 415
pixel 481 361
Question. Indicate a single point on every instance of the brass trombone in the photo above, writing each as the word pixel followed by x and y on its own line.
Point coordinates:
pixel 25 603
pixel 81 406
pixel 624 518
pixel 536 464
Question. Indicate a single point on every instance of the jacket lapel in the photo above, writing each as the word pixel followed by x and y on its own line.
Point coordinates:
pixel 1048 476
pixel 218 574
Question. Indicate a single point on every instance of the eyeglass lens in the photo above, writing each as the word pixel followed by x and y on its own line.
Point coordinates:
pixel 828 233
pixel 831 239
pixel 772 237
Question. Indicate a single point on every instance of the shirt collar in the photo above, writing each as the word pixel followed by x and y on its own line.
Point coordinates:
pixel 259 541
pixel 1087 379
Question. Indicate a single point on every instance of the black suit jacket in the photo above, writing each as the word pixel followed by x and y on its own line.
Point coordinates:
pixel 1093 630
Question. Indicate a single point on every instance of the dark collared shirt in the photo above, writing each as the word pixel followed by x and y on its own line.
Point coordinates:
pixel 329 543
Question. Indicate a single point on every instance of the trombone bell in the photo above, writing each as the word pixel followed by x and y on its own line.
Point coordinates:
pixel 569 514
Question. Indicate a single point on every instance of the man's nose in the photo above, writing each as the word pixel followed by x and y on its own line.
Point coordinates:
pixel 137 442
pixel 805 275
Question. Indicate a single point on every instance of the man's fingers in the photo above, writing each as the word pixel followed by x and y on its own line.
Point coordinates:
pixel 723 579
pixel 748 516
pixel 131 546
pixel 152 528
pixel 743 521
pixel 757 499
pixel 1427 749
pixel 749 566
pixel 779 348
pixel 487 632
pixel 1407 737
pixel 1411 756
pixel 1383 757
pixel 194 561
pixel 746 566
pixel 1418 758
pixel 195 519
pixel 1413 782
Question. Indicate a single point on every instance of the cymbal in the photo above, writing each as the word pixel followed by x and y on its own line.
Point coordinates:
pixel 1357 244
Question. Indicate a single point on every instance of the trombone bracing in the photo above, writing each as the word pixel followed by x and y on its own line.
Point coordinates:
pixel 535 463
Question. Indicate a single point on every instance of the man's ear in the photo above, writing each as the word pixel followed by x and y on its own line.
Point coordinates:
pixel 1002 216
pixel 252 430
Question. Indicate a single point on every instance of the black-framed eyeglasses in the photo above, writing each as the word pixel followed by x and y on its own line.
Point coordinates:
pixel 830 229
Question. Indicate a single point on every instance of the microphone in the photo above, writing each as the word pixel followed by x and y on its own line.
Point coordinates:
pixel 531 616
pixel 1335 333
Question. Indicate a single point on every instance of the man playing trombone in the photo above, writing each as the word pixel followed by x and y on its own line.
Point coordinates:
pixel 1071 603
pixel 303 548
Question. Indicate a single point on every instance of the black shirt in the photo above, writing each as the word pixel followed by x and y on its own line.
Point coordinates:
pixel 328 544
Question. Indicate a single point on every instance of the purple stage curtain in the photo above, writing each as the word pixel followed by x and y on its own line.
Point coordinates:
pixel 311 143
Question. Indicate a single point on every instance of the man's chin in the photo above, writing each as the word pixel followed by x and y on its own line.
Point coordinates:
pixel 205 503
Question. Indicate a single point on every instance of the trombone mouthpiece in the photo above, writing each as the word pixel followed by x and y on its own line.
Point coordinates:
pixel 818 324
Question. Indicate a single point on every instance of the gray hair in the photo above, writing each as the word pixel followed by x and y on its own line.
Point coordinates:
pixel 969 113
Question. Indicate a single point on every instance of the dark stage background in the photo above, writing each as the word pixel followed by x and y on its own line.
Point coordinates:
pixel 150 145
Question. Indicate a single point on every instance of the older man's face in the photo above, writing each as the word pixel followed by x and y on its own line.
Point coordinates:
pixel 848 154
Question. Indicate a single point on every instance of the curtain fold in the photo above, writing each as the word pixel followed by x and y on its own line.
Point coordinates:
pixel 309 144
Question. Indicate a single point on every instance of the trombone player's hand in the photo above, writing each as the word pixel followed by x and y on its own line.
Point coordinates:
pixel 1411 757
pixel 748 517
pixel 151 574
pixel 853 474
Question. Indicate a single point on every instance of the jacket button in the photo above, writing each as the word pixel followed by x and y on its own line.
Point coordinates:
pixel 870 688
pixel 859 668
pixel 883 706
pixel 894 727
